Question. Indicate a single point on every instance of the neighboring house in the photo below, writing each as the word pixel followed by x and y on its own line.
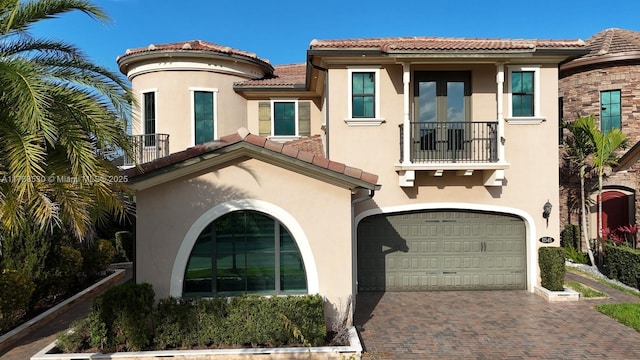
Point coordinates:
pixel 391 164
pixel 605 82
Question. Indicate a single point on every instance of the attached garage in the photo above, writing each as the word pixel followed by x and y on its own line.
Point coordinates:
pixel 441 250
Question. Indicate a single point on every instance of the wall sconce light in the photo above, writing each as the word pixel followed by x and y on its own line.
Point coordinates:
pixel 546 211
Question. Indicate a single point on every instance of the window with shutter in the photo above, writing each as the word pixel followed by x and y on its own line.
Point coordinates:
pixel 284 118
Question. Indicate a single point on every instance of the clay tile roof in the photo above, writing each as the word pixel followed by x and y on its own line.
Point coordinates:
pixel 305 150
pixel 193 45
pixel 613 41
pixel 442 44
pixel 606 48
pixel 283 75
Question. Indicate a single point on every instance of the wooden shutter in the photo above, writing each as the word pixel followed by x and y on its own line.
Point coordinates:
pixel 304 118
pixel 264 118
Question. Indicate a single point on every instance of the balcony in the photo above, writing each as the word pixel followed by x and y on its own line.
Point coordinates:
pixel 452 142
pixel 147 148
pixel 464 146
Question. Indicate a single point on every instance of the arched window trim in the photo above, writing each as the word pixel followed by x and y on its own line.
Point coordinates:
pixel 285 218
pixel 240 236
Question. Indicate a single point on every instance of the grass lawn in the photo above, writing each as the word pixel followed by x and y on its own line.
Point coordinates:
pixel 585 291
pixel 627 313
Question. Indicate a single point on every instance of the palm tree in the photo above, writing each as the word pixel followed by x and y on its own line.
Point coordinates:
pixel 579 147
pixel 58 113
pixel 605 148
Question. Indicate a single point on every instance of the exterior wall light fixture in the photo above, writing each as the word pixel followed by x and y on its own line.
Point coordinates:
pixel 546 211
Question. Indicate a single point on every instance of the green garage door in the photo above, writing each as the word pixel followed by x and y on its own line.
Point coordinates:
pixel 441 250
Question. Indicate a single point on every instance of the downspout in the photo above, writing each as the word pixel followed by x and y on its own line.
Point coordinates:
pixel 326 105
pixel 354 248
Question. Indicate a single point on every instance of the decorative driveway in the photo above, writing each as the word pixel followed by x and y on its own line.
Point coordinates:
pixel 491 325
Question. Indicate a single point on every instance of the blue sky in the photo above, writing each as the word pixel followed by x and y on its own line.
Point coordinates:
pixel 281 30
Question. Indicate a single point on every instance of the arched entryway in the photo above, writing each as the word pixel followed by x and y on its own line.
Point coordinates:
pixel 617 208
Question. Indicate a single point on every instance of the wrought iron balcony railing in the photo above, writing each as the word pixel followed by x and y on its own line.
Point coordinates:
pixel 451 142
pixel 147 148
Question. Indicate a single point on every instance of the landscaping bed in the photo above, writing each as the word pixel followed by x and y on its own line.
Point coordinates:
pixel 126 322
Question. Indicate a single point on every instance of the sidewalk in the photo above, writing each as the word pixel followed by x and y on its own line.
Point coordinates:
pixel 38 338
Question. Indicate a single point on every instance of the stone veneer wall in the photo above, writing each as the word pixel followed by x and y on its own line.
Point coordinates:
pixel 580 91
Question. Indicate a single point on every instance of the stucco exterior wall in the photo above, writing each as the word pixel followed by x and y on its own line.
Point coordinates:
pixel 168 211
pixel 531 150
pixel 174 114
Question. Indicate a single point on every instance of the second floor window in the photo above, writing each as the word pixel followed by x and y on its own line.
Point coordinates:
pixel 522 92
pixel 149 118
pixel 363 94
pixel 610 114
pixel 284 118
pixel 203 116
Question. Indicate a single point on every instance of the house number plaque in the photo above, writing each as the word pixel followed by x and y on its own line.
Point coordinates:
pixel 547 240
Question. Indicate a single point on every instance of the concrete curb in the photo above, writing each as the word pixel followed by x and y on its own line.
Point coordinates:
pixel 12 337
pixel 352 351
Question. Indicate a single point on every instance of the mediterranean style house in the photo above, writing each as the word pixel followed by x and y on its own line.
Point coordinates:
pixel 386 164
pixel 605 82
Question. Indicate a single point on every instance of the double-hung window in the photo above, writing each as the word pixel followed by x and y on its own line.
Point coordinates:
pixel 364 96
pixel 610 106
pixel 149 117
pixel 203 115
pixel 524 94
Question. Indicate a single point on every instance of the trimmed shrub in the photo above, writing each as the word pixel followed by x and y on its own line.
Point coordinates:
pixel 211 321
pixel 121 319
pixel 127 313
pixel 255 320
pixel 570 236
pixel 623 264
pixel 551 261
pixel 176 320
pixel 16 290
pixel 124 246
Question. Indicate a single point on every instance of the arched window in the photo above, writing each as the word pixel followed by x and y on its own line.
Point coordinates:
pixel 244 252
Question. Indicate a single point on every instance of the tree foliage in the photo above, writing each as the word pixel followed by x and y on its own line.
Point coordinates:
pixel 58 114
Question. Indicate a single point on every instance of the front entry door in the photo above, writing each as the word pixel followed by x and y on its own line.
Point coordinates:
pixel 441 128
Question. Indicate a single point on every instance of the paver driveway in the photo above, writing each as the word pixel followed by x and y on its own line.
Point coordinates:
pixel 489 325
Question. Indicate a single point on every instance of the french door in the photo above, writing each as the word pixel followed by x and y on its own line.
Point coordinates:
pixel 441 128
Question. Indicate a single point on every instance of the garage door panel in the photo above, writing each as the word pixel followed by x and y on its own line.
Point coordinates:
pixel 439 250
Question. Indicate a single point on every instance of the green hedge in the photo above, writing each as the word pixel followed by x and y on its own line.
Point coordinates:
pixel 124 319
pixel 623 264
pixel 570 236
pixel 551 261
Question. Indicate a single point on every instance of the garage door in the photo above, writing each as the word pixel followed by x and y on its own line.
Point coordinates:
pixel 441 250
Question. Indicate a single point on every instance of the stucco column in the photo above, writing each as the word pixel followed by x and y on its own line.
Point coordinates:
pixel 500 104
pixel 406 123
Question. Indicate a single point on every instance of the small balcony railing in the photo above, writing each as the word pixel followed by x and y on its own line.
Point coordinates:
pixel 451 142
pixel 147 148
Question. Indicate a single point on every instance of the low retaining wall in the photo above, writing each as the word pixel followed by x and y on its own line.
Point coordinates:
pixel 8 340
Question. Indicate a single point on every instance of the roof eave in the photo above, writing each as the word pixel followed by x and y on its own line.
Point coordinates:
pixel 601 59
pixel 126 60
pixel 239 150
